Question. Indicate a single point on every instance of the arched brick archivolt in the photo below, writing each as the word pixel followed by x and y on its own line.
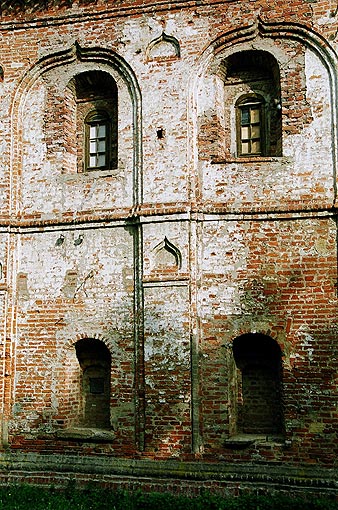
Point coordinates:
pixel 213 129
pixel 43 116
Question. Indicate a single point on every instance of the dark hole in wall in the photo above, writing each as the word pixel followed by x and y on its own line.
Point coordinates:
pixel 95 361
pixel 258 358
pixel 160 133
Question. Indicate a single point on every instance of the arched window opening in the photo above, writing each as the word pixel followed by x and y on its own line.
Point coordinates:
pixel 259 395
pixel 96 109
pixel 252 88
pixel 95 362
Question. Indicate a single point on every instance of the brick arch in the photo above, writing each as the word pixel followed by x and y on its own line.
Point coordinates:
pixel 170 44
pixel 76 54
pixel 166 256
pixel 264 328
pixel 230 40
pixel 242 328
pixel 71 342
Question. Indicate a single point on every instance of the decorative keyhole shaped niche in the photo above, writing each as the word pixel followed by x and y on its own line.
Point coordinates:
pixel 167 257
pixel 95 362
pixel 163 47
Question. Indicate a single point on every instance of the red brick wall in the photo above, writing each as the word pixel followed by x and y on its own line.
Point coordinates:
pixel 181 248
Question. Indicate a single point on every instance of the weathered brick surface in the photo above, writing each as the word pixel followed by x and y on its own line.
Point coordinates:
pixel 179 249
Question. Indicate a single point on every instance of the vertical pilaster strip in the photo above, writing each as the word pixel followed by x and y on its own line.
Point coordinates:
pixel 194 336
pixel 139 336
pixel 138 260
pixel 10 332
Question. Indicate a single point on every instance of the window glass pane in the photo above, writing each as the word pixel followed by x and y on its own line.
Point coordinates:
pixel 255 131
pixel 245 133
pixel 92 132
pixel 245 148
pixel 92 147
pixel 101 130
pixel 92 161
pixel 101 146
pixel 245 116
pixel 256 147
pixel 101 160
pixel 255 115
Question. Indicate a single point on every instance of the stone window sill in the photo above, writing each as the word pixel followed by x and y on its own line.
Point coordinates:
pixel 86 434
pixel 90 174
pixel 242 441
pixel 251 160
pixel 169 276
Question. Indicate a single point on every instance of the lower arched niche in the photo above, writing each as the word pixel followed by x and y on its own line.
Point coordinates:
pixel 258 395
pixel 95 361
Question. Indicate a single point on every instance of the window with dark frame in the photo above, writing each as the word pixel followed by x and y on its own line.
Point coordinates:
pixel 250 127
pixel 97 144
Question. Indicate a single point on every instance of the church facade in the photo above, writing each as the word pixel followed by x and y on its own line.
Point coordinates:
pixel 168 243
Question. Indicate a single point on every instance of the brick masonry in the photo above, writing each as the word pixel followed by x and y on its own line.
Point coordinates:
pixel 175 253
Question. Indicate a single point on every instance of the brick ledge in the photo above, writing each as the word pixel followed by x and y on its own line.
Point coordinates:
pixel 84 434
pixel 303 476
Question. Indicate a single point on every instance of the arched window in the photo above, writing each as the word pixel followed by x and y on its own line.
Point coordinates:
pixel 95 362
pixel 250 126
pixel 252 91
pixel 93 101
pixel 259 391
pixel 97 140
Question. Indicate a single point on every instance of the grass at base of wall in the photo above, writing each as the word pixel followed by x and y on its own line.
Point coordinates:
pixel 26 497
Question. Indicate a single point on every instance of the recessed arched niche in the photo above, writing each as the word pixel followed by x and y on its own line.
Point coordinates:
pixel 258 405
pixel 166 257
pixel 163 47
pixel 95 361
